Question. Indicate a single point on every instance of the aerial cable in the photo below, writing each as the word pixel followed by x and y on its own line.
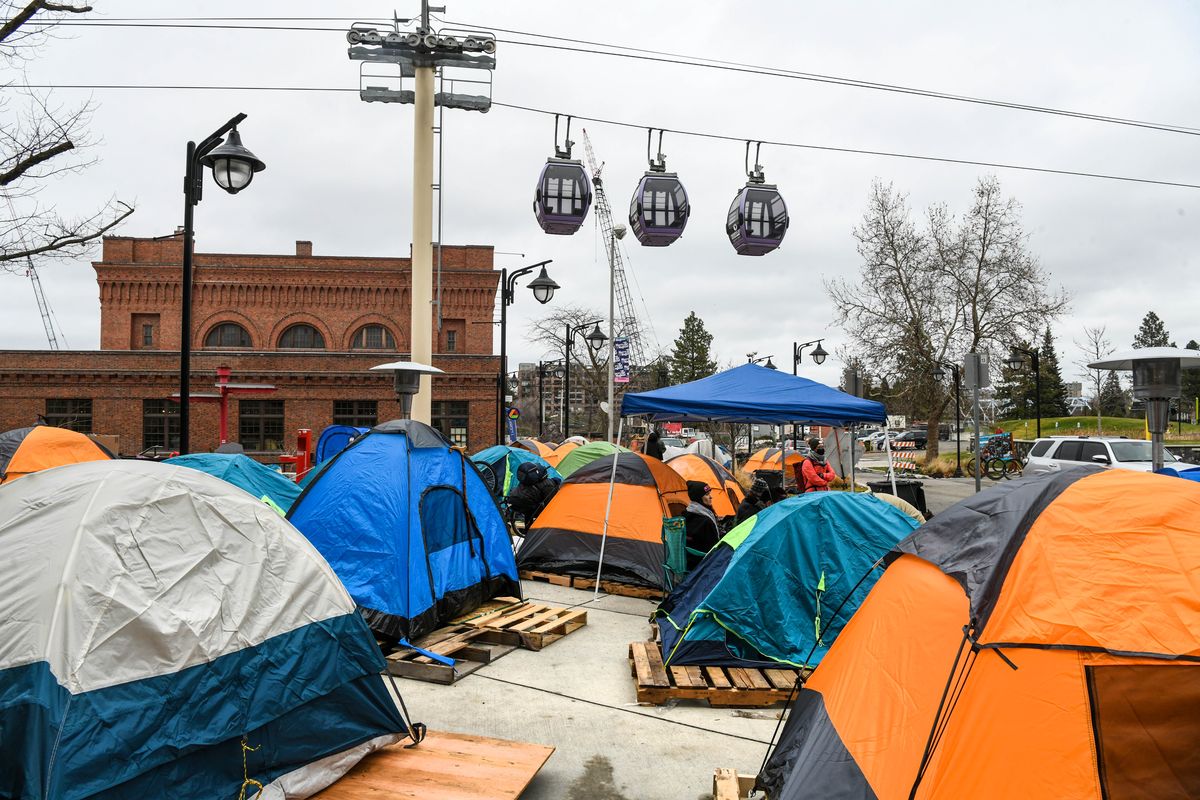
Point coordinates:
pixel 658 56
pixel 643 126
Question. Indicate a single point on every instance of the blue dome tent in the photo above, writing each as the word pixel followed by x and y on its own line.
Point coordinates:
pixel 504 461
pixel 779 587
pixel 246 474
pixel 334 439
pixel 410 528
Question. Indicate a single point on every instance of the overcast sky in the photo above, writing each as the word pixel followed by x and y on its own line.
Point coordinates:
pixel 339 169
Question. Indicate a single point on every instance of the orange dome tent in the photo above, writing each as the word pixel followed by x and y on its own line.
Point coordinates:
pixel 26 450
pixel 560 452
pixel 534 446
pixel 1039 640
pixel 727 494
pixel 566 537
pixel 769 458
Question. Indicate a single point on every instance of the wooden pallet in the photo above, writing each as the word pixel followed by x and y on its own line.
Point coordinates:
pixel 608 587
pixel 537 624
pixel 722 687
pixel 445 766
pixel 728 785
pixel 469 647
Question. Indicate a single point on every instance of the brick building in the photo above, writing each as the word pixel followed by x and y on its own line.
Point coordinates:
pixel 312 326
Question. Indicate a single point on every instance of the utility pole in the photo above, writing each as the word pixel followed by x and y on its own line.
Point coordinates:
pixel 421 322
pixel 418 55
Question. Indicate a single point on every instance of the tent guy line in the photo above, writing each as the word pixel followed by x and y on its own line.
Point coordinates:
pixel 643 126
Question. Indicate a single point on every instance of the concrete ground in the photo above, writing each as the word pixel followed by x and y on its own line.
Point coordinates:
pixel 577 695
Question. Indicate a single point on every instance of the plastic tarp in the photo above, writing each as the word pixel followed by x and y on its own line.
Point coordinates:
pixel 750 393
pixel 153 616
pixel 245 473
pixel 410 528
pixel 779 587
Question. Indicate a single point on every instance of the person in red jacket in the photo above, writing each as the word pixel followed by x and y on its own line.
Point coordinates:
pixel 816 472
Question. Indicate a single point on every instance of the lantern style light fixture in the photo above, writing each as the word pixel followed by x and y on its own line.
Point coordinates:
pixel 596 339
pixel 407 381
pixel 232 165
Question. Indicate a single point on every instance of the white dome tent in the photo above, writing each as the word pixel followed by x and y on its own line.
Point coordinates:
pixel 158 623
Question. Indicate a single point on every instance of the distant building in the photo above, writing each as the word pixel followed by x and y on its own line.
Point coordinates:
pixel 1074 389
pixel 311 326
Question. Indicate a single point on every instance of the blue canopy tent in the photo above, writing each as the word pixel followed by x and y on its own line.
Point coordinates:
pixel 749 394
pixel 246 474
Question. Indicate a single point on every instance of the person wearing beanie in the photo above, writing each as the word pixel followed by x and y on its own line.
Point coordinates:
pixel 815 471
pixel 755 500
pixel 700 523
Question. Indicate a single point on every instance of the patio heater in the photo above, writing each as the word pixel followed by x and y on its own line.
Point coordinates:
pixel 407 381
pixel 1156 379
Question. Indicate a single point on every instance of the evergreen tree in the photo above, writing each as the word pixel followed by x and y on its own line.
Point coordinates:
pixel 1054 391
pixel 690 359
pixel 1112 397
pixel 1015 390
pixel 1152 333
pixel 1190 386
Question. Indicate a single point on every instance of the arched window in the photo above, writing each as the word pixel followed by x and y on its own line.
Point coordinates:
pixel 302 336
pixel 227 334
pixel 373 337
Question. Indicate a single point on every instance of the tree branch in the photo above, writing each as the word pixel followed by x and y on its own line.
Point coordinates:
pixel 32 161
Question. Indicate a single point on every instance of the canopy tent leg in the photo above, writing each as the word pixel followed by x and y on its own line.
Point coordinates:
pixel 852 429
pixel 887 443
pixel 612 480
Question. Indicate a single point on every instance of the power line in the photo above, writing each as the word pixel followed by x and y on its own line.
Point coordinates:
pixel 645 54
pixel 644 126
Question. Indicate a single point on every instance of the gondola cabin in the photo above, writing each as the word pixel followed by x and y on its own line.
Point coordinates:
pixel 758 220
pixel 563 197
pixel 659 209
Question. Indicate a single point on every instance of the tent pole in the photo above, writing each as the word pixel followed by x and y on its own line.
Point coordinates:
pixel 612 480
pixel 887 443
pixel 852 430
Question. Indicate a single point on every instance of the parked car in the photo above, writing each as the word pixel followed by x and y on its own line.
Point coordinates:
pixel 671 441
pixel 921 439
pixel 1112 452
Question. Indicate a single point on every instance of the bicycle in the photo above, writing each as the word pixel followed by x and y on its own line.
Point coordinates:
pixel 1005 466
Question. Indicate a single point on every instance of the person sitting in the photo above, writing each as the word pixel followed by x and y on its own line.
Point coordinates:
pixel 654 448
pixel 533 491
pixel 700 522
pixel 816 472
pixel 755 500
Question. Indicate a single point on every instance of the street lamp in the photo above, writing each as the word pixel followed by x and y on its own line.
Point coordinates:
pixel 818 356
pixel 543 291
pixel 618 233
pixel 939 374
pixel 233 168
pixel 1015 362
pixel 407 381
pixel 555 371
pixel 595 340
pixel 1156 379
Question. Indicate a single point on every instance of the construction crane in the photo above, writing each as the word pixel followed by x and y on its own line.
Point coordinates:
pixel 626 323
pixel 43 306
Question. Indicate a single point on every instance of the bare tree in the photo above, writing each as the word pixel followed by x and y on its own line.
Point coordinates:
pixel 1003 291
pixel 589 371
pixel 895 311
pixel 1095 346
pixel 39 139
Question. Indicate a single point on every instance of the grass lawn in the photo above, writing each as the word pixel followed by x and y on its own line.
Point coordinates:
pixel 1134 428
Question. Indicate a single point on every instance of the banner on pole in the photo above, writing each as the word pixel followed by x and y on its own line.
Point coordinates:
pixel 621 364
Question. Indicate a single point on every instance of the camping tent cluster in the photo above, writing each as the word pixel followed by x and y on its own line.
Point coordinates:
pixel 26 450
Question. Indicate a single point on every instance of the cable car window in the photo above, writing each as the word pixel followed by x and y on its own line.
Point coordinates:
pixel 758 220
pixel 562 194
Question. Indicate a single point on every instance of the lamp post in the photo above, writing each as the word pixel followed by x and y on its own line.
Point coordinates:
pixel 1015 362
pixel 618 233
pixel 818 356
pixel 543 288
pixel 233 167
pixel 595 340
pixel 939 373
pixel 407 381
pixel 556 372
